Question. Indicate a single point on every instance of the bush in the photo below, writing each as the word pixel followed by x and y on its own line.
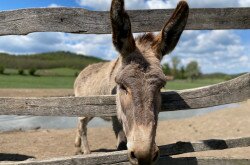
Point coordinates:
pixel 166 69
pixel 228 77
pixel 193 70
pixel 76 74
pixel 20 71
pixel 32 71
pixel 1 70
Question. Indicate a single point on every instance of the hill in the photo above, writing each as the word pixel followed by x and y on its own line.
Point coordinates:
pixel 219 75
pixel 47 60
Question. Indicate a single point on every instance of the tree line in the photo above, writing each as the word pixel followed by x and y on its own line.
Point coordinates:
pixel 191 71
pixel 49 60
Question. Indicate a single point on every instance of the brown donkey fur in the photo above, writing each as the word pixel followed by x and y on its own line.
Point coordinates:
pixel 136 78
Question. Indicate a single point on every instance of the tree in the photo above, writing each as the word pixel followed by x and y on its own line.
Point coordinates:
pixel 182 73
pixel 175 62
pixel 166 69
pixel 20 71
pixel 1 70
pixel 192 70
pixel 32 71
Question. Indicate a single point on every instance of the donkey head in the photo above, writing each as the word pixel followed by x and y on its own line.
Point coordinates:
pixel 141 78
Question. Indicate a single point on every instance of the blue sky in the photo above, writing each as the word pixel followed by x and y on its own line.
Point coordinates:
pixel 216 51
pixel 17 4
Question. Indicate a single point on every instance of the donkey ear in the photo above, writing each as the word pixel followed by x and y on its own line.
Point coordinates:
pixel 170 34
pixel 121 28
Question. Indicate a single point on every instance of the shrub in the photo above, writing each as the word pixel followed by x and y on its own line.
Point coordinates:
pixel 20 71
pixel 1 70
pixel 193 70
pixel 76 74
pixel 32 71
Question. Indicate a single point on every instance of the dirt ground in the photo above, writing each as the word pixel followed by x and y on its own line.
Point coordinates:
pixel 45 144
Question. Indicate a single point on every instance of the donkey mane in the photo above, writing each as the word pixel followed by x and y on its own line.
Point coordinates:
pixel 145 38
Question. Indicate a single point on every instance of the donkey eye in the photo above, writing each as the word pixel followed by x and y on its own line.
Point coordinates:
pixel 162 86
pixel 122 87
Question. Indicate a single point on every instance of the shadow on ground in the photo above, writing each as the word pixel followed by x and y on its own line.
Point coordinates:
pixel 104 150
pixel 14 157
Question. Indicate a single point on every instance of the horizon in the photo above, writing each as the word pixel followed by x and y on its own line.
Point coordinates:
pixel 224 51
pixel 76 54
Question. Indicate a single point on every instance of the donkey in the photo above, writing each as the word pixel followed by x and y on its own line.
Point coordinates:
pixel 136 77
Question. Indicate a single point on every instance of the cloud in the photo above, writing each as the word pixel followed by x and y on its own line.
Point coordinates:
pixel 216 51
pixel 244 3
pixel 100 46
pixel 36 42
pixel 53 5
pixel 213 3
pixel 163 4
pixel 95 4
pixel 131 4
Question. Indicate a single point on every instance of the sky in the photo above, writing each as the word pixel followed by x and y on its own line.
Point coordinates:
pixel 225 51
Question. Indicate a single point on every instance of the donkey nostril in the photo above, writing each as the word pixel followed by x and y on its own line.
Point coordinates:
pixel 132 158
pixel 156 156
pixel 132 155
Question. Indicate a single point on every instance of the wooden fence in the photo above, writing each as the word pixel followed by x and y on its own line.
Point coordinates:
pixel 74 20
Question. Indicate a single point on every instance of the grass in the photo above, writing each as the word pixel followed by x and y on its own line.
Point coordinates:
pixel 58 72
pixel 45 78
pixel 65 79
pixel 46 72
pixel 186 84
pixel 18 81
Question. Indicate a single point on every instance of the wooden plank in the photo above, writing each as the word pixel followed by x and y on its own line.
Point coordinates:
pixel 120 157
pixel 232 91
pixel 202 161
pixel 76 20
pixel 205 145
pixel 161 161
pixel 59 106
pixel 92 159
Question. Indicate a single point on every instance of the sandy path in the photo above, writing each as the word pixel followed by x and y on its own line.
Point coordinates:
pixel 228 123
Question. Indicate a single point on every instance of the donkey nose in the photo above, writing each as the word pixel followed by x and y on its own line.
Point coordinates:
pixel 133 158
pixel 138 158
pixel 156 155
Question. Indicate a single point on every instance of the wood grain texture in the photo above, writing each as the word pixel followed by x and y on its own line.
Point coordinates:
pixel 76 20
pixel 205 145
pixel 232 91
pixel 202 161
pixel 162 161
pixel 120 157
pixel 59 106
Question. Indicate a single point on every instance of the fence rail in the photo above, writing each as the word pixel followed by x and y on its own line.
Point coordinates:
pixel 162 161
pixel 232 91
pixel 120 157
pixel 76 20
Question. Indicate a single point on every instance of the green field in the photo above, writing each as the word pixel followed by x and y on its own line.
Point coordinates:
pixel 46 72
pixel 64 78
pixel 186 84
pixel 59 70
pixel 44 78
pixel 17 81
